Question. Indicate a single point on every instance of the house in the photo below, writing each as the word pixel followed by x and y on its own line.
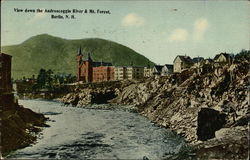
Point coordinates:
pixel 162 70
pixel 157 69
pixel 167 69
pixel 223 58
pixel 5 73
pixel 90 71
pixel 207 61
pixel 182 62
pixel 198 61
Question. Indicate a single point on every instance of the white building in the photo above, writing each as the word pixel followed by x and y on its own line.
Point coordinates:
pixel 119 73
pixel 157 70
pixel 182 62
pixel 122 73
pixel 162 70
pixel 167 69
pixel 147 72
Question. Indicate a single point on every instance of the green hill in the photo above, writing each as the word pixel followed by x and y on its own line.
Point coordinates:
pixel 48 52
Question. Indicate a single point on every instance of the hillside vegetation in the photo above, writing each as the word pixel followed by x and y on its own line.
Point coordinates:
pixel 59 55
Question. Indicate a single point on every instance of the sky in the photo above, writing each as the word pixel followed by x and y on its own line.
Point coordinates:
pixel 159 30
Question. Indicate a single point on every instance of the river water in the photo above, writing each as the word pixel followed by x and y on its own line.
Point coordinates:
pixel 78 133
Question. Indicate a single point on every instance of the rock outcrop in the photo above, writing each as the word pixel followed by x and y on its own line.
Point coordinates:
pixel 199 106
pixel 18 125
pixel 94 93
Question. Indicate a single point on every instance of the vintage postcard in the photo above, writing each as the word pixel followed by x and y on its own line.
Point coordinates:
pixel 125 79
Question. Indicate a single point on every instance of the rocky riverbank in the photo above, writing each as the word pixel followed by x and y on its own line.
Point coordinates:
pixel 207 105
pixel 94 93
pixel 209 108
pixel 19 126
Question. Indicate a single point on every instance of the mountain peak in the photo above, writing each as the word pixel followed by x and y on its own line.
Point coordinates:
pixel 49 52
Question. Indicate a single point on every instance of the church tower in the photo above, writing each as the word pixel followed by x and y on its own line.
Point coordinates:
pixel 89 69
pixel 79 64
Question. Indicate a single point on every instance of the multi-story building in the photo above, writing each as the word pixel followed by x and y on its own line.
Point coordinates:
pixel 147 72
pixel 90 71
pixel 120 73
pixel 5 73
pixel 6 95
pixel 135 72
pixel 103 73
pixel 129 72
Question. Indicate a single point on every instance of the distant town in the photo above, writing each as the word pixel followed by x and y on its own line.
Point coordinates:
pixel 91 71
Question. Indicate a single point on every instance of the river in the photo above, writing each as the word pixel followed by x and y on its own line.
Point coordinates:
pixel 79 133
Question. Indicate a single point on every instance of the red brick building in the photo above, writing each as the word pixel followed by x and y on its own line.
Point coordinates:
pixel 90 71
pixel 5 73
pixel 103 73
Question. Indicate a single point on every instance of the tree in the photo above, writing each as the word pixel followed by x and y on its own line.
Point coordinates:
pixel 41 78
pixel 49 78
pixel 242 56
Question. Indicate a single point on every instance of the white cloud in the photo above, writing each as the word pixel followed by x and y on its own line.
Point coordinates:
pixel 178 35
pixel 200 27
pixel 133 19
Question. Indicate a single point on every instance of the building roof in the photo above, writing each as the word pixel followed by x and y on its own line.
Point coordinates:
pixel 4 55
pixel 226 55
pixel 120 66
pixel 158 67
pixel 197 59
pixel 185 59
pixel 97 64
pixel 128 67
pixel 209 60
pixel 169 66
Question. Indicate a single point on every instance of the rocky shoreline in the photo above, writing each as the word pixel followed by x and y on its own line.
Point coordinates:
pixel 94 93
pixel 19 127
pixel 208 106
